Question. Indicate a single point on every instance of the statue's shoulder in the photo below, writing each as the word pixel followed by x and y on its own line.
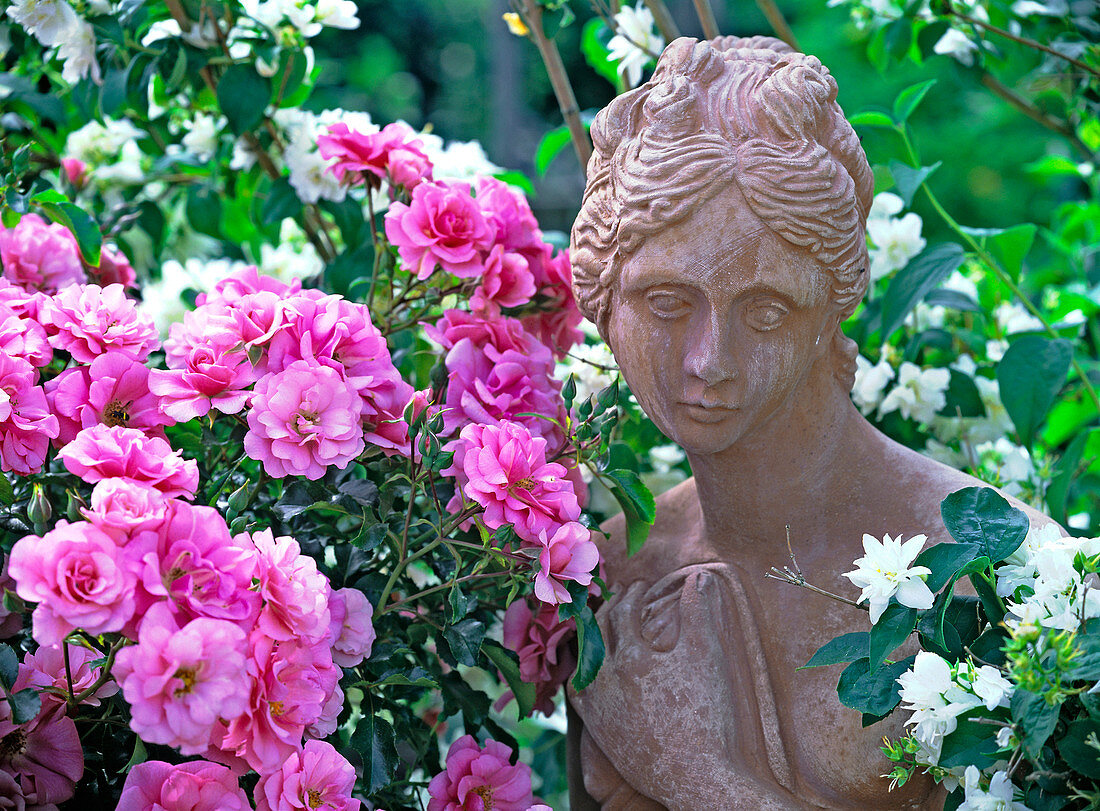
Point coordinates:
pixel 674 539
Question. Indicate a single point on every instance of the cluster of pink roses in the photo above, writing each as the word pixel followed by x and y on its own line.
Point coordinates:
pixel 313 369
pixel 482 777
pixel 239 639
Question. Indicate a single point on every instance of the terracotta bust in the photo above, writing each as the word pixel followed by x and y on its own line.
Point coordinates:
pixel 719 247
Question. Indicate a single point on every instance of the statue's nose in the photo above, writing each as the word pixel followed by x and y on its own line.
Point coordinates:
pixel 710 356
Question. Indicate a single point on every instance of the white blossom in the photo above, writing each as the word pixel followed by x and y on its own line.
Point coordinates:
pixel 1013 318
pixel 896 241
pixel 127 169
pixel 1061 598
pixel 985 682
pixel 919 394
pixel 958 45
pixel 97 143
pixel 997 798
pixel 163 300
pixel 47 20
pixel 459 160
pixel 1030 8
pixel 870 383
pixel 201 139
pixel 635 43
pixel 293 258
pixel 665 457
pixel 77 52
pixel 884 206
pixel 592 366
pixel 337 14
pixel 885 572
pixel 310 178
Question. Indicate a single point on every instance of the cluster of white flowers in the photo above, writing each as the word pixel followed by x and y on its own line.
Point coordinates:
pixel 201 138
pixel 885 571
pixel 309 173
pixel 1048 587
pixel 592 365
pixel 998 797
pixel 894 240
pixel 294 258
pixel 163 300
pixel 55 24
pixel 110 150
pixel 636 42
pixel 458 160
pixel 919 393
pixel 308 17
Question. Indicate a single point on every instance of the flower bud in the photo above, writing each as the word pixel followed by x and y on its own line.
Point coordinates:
pixel 39 510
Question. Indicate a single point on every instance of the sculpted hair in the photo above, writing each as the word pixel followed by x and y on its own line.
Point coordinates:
pixel 748 111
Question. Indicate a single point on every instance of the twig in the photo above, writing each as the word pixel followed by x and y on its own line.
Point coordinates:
pixel 1030 43
pixel 706 18
pixel 778 22
pixel 1024 106
pixel 796 578
pixel 665 24
pixel 531 12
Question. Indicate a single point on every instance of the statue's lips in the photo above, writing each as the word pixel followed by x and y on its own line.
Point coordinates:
pixel 701 412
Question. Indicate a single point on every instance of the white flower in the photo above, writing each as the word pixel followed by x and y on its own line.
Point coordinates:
pixel 870 383
pixel 1006 738
pixel 665 457
pixel 337 13
pixel 997 798
pixel 460 160
pixel 884 572
pixel 201 139
pixel 958 45
pixel 77 51
pixel 163 301
pixel 48 20
pixel 96 143
pixel 896 241
pixel 635 43
pixel 884 206
pixel 592 366
pixel 289 261
pixel 310 178
pixel 920 393
pixel 1029 8
pixel 924 691
pixel 1014 318
pixel 126 170
pixel 985 682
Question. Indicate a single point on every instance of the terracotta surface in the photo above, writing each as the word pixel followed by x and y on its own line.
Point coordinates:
pixel 720 245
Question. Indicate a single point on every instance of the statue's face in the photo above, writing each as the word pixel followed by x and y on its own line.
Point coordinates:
pixel 720 327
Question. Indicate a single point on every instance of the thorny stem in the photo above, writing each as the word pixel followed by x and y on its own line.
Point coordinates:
pixel 104 673
pixel 995 266
pixel 531 12
pixel 1030 43
pixel 68 673
pixel 449 584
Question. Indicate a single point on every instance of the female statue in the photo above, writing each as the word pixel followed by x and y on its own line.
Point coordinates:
pixel 719 248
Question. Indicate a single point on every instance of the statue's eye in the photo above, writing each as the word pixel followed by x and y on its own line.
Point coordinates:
pixel 665 304
pixel 765 315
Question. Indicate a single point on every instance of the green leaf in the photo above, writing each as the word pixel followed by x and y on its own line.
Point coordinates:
pixel 507 663
pixel 1035 717
pixel 594 38
pixel 981 517
pixel 89 239
pixel 139 755
pixel 373 738
pixel 551 144
pixel 402 680
pixel 464 639
pixel 875 692
pixel 892 629
pixel 923 274
pixel 872 118
pixel 962 398
pixel 969 743
pixel 909 98
pixel 590 648
pixel 1030 375
pixel 639 506
pixel 25 705
pixel 929 36
pixel 458 603
pixel 9 666
pixel 204 210
pixel 1085 666
pixel 899 36
pixel 243 95
pixel 1010 246
pixel 281 202
pixel 908 180
pixel 843 649
pixel 1064 473
pixel 7 492
pixel 1079 754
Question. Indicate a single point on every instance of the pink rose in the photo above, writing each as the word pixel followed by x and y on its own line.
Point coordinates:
pixel 507 282
pixel 556 324
pixel 104 452
pixel 316 777
pixel 23 337
pixel 541 642
pixel 44 670
pixel 180 681
pixel 40 256
pixel 195 786
pixel 479 778
pixel 48 760
pixel 303 420
pixel 114 268
pixel 296 595
pixel 78 576
pixel 76 171
pixel 26 424
pixel 121 508
pixel 442 227
pixel 394 153
pixel 351 629
pixel 87 320
pixel 567 554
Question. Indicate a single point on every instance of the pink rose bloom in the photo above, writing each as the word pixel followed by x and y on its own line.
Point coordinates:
pixel 114 390
pixel 23 337
pixel 191 560
pixel 394 153
pixel 104 452
pixel 541 642
pixel 507 282
pixel 76 171
pixel 351 629
pixel 504 469
pixel 26 424
pixel 195 786
pixel 28 303
pixel 180 681
pixel 480 778
pixel 44 755
pixel 114 268
pixel 209 368
pixel 567 554
pixel 303 420
pixel 442 227
pixel 316 777
pixel 245 282
pixel 40 256
pixel 514 226
pixel 294 684
pixel 87 320
pixel 121 508
pixel 44 670
pixel 556 325
pixel 296 595
pixel 78 576
pixel 338 333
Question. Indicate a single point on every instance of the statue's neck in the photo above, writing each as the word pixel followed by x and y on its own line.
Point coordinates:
pixel 792 471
